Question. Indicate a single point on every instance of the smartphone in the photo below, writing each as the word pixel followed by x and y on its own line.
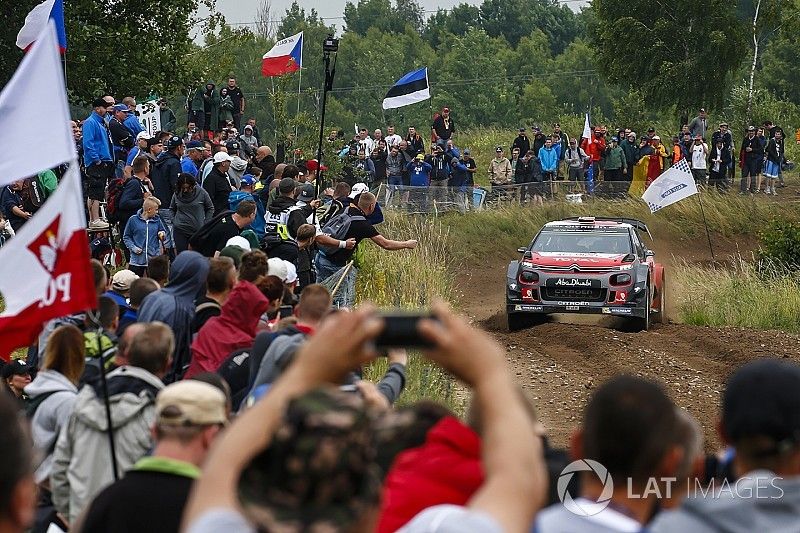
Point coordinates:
pixel 285 311
pixel 400 330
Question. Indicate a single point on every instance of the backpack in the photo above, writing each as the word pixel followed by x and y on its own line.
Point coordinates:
pixel 33 404
pixel 337 228
pixel 334 208
pixel 32 194
pixel 113 194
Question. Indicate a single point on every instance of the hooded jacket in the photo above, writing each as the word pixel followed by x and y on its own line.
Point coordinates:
pixel 774 507
pixel 236 197
pixel 82 460
pixel 446 469
pixel 165 176
pixel 236 170
pixel 96 141
pixel 141 238
pixel 211 106
pixel 233 329
pixel 191 210
pixel 174 305
pixel 218 186
pixel 51 415
pixel 548 159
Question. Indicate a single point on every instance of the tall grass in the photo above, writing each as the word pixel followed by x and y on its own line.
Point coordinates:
pixel 411 279
pixel 746 295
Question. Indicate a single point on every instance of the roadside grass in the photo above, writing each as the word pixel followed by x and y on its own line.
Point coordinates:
pixel 748 294
pixel 412 279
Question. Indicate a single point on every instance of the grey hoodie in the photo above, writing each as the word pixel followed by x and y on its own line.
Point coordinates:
pixel 51 415
pixel 191 210
pixel 236 171
pixel 774 508
pixel 82 460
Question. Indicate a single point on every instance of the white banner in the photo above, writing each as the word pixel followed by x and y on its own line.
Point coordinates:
pixel 672 186
pixel 149 115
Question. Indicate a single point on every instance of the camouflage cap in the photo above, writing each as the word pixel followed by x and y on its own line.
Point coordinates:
pixel 319 471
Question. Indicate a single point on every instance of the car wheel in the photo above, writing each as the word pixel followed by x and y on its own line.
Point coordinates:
pixel 661 315
pixel 518 321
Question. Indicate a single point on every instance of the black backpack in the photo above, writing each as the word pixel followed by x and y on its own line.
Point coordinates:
pixel 337 228
pixel 113 194
pixel 32 194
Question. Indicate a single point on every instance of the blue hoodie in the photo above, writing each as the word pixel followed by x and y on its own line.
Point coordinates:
pixel 141 238
pixel 174 305
pixel 548 159
pixel 258 225
pixel 133 125
pixel 96 142
pixel 420 173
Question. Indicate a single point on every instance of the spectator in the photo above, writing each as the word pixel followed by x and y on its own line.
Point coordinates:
pixel 146 236
pixel 165 175
pixel 52 398
pixel 217 184
pixel 152 495
pixel 135 189
pixel 168 119
pixel 158 269
pixel 443 127
pixel 17 375
pixel 210 109
pixel 174 305
pixel 521 142
pixel 378 158
pixel 97 156
pixel 523 176
pixel 331 260
pixel 392 138
pixel 577 160
pixel 766 453
pixel 499 168
pixel 561 143
pixel 214 235
pixel 247 192
pixel 629 427
pixel 12 207
pixel 122 140
pixel 221 280
pixel 595 148
pixel 99 338
pixel 395 166
pixel 17 492
pixel 82 464
pixel 237 96
pixel 120 289
pixel 775 156
pixel 548 158
pixel 233 329
pixel 655 163
pixel 699 125
pixel 699 160
pixel 140 288
pixel 139 149
pixel 751 160
pixel 249 141
pixel 284 217
pixel 616 167
pixel 719 159
pixel 191 208
pixel 415 143
pixel 538 140
pixel 365 142
pixel 440 174
pixel 225 107
pixel 195 154
pixel 252 123
pixel 195 107
pixel 631 149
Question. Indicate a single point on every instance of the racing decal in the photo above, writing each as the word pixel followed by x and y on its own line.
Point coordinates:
pixel 527 294
pixel 573 282
pixel 528 308
pixel 573 304
pixel 617 310
pixel 573 308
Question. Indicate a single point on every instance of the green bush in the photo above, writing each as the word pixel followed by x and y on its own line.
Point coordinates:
pixel 780 243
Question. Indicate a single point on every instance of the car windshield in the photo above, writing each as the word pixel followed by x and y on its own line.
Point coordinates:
pixel 585 242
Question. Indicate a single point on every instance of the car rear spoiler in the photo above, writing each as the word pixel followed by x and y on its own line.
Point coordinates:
pixel 638 224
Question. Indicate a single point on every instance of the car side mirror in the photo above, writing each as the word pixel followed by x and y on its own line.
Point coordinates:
pixel 522 250
pixel 649 253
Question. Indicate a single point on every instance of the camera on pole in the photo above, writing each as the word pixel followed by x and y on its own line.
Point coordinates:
pixel 330 46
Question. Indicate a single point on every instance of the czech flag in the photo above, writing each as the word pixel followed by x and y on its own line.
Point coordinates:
pixel 285 57
pixel 36 21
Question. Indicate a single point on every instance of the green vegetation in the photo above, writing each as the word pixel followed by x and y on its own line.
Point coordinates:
pixel 780 243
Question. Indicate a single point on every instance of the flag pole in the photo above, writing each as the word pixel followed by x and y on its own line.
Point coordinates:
pixel 708 233
pixel 299 83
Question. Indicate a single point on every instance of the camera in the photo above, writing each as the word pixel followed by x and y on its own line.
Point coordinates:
pixel 330 44
pixel 400 330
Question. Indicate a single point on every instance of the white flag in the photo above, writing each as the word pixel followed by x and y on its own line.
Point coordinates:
pixel 671 186
pixel 587 129
pixel 33 109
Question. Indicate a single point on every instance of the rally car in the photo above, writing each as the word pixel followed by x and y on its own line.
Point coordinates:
pixel 586 265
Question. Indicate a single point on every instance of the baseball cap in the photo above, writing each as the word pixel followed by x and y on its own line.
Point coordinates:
pixel 313 164
pixel 723 124
pixel 467 152
pixel 287 185
pixel 241 242
pixel 751 128
pixel 142 135
pixel 420 157
pixel 16 368
pixel 291 272
pixel 194 145
pixel 174 142
pixel 522 130
pixel 191 403
pixel 248 179
pixel 318 472
pixel 121 107
pixel 614 139
pixel 232 146
pixel 306 193
pixel 277 267
pixel 762 398
pixel 357 189
pixel 498 149
pixel 121 282
pixel 650 129
pixel 221 157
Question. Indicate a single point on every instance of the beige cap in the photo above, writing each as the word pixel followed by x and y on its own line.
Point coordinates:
pixel 122 280
pixel 191 403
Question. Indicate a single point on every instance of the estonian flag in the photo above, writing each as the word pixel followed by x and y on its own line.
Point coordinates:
pixel 410 89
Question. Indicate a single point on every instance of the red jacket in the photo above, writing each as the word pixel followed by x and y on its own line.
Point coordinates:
pixel 594 149
pixel 446 469
pixel 233 329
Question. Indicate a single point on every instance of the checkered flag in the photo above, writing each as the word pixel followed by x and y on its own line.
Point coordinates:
pixel 675 184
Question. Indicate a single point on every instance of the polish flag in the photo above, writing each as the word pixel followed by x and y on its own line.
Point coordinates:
pixel 36 21
pixel 44 269
pixel 285 57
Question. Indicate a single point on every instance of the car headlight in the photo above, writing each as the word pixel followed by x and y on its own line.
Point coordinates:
pixel 528 277
pixel 621 279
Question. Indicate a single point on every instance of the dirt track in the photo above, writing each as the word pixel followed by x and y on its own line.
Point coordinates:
pixel 559 363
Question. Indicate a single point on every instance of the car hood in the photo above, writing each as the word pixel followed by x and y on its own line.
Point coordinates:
pixel 568 259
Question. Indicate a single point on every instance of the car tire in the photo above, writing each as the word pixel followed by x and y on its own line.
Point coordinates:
pixel 660 317
pixel 518 321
